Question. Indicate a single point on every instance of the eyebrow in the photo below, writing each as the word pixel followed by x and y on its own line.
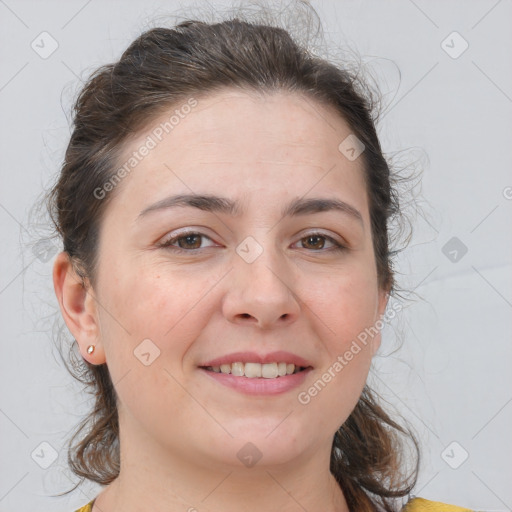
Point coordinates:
pixel 216 204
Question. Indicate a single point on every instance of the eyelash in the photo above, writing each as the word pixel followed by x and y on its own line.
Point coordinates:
pixel 337 247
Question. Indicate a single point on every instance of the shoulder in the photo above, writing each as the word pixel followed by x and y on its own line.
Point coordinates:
pixel 86 508
pixel 422 505
pixel 414 505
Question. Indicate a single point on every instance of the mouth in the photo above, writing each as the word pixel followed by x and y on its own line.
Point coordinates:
pixel 253 370
pixel 250 373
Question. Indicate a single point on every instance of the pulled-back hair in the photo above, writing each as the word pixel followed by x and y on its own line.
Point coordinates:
pixel 163 68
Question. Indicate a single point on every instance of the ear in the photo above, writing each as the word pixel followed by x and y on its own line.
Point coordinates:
pixel 383 297
pixel 78 307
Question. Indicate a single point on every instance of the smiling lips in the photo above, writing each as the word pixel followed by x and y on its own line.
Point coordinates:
pixel 252 365
pixel 254 370
pixel 255 374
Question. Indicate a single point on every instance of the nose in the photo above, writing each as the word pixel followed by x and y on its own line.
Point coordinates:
pixel 261 293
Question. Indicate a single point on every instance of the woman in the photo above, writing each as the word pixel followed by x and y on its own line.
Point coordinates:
pixel 223 206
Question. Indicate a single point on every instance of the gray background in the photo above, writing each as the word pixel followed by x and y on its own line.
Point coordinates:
pixel 445 362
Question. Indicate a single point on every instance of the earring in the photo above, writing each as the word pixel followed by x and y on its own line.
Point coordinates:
pixel 90 349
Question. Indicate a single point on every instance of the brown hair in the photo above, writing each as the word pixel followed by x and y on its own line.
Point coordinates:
pixel 160 69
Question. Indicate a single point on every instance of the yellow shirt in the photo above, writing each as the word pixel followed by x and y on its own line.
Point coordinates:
pixel 415 505
pixel 422 505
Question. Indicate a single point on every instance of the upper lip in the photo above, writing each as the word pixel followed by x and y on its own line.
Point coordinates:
pixel 279 356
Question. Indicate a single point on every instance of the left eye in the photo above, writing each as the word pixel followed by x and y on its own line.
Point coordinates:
pixel 316 242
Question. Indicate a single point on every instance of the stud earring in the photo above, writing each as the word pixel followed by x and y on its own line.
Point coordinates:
pixel 90 349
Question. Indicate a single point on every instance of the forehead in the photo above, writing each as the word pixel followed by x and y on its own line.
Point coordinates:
pixel 256 122
pixel 232 139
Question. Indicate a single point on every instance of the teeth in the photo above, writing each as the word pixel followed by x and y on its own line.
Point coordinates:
pixel 252 370
pixel 237 369
pixel 255 370
pixel 270 371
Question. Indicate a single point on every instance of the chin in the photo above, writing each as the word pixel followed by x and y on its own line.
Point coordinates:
pixel 259 443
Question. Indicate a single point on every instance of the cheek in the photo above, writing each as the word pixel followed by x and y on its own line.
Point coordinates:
pixel 345 303
pixel 333 395
pixel 153 302
pixel 347 314
pixel 151 310
pixel 151 322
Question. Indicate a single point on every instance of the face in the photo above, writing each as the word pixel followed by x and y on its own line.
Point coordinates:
pixel 273 264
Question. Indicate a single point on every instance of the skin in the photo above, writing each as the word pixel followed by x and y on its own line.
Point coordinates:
pixel 180 431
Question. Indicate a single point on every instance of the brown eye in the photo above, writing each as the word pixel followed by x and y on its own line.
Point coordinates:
pixel 318 242
pixel 189 241
pixel 314 242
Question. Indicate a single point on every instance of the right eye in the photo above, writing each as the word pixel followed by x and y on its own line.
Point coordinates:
pixel 186 242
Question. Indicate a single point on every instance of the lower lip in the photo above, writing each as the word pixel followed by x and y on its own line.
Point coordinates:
pixel 259 385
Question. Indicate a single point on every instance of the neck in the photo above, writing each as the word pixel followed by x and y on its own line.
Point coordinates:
pixel 152 479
